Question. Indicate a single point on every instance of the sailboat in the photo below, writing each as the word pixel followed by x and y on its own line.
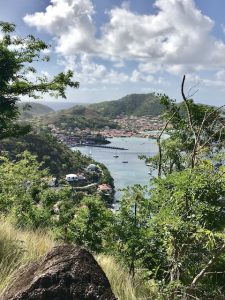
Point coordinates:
pixel 124 161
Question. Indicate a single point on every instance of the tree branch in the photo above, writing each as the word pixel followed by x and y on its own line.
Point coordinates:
pixel 199 276
pixel 159 145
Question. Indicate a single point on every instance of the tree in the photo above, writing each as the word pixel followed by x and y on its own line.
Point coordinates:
pixel 17 58
pixel 131 227
pixel 91 224
pixel 182 242
pixel 22 182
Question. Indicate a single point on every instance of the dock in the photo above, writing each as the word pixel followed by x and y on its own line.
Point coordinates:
pixel 98 146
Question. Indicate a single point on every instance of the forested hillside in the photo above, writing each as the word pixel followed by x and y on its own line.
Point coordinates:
pixel 29 110
pixel 80 117
pixel 134 104
pixel 99 115
pixel 57 157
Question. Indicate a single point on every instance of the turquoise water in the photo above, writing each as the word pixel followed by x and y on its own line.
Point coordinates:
pixel 124 174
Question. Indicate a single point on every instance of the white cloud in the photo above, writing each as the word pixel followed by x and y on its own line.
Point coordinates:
pixel 178 36
pixel 70 21
pixel 141 77
pixel 216 80
pixel 89 72
pixel 177 39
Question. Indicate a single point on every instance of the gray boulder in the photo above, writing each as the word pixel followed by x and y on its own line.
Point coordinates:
pixel 65 273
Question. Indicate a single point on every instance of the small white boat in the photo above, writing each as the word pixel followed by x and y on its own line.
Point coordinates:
pixel 115 155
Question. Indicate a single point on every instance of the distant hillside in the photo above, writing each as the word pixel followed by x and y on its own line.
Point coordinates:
pixel 81 117
pixel 59 105
pixel 57 157
pixel 29 110
pixel 134 104
pixel 99 115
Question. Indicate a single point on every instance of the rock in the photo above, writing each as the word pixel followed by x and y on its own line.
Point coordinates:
pixel 65 273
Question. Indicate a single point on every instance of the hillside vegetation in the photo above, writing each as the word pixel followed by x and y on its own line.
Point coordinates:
pixel 134 104
pixel 99 115
pixel 80 117
pixel 19 247
pixel 28 110
pixel 57 157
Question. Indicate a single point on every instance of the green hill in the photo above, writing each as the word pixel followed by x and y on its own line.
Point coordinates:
pixel 134 104
pixel 99 115
pixel 81 117
pixel 28 110
pixel 57 157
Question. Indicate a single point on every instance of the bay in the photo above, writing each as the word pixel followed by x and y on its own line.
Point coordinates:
pixel 135 170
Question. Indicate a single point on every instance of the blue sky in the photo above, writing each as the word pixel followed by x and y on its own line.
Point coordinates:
pixel 122 47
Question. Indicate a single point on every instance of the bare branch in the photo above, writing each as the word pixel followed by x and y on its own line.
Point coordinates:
pixel 189 91
pixel 208 266
pixel 159 145
pixel 190 121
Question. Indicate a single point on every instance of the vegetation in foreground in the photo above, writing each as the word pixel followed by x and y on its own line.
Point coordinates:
pixel 54 156
pixel 171 235
pixel 19 247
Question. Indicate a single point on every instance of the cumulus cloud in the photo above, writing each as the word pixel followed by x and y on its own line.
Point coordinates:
pixel 70 21
pixel 177 38
pixel 89 72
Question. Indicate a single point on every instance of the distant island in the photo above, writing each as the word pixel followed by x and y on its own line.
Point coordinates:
pixel 132 115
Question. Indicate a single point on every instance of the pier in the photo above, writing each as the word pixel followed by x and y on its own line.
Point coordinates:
pixel 97 146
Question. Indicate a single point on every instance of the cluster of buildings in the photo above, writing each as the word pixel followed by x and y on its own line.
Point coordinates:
pixel 140 124
pixel 80 181
pixel 77 137
pixel 134 126
pixel 128 126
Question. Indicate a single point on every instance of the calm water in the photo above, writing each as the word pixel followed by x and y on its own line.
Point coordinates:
pixel 124 174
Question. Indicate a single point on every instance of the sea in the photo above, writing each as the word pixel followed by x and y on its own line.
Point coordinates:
pixel 135 171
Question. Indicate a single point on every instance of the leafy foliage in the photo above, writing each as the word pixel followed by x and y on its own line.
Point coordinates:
pixel 55 156
pixel 17 57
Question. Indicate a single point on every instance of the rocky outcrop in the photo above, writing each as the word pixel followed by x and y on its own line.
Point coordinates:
pixel 65 273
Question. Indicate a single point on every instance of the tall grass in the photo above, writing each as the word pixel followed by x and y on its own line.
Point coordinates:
pixel 123 286
pixel 18 247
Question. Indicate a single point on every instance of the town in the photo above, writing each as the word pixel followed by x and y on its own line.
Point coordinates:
pixel 145 126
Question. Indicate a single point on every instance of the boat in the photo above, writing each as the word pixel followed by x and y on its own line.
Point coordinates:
pixel 115 155
pixel 124 161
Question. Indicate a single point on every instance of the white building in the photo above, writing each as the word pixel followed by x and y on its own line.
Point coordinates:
pixel 71 177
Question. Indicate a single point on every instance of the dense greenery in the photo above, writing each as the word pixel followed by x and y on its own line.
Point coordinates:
pixel 17 57
pixel 172 233
pixel 28 200
pixel 55 156
pixel 134 104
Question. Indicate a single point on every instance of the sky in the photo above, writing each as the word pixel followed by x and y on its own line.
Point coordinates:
pixel 118 47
